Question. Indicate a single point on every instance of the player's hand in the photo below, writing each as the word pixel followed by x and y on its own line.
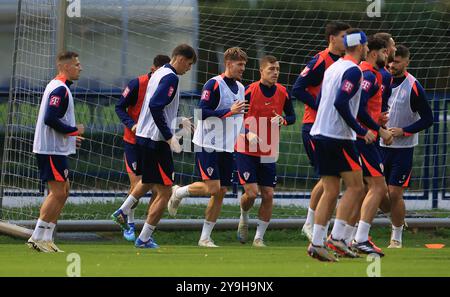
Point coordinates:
pixel 134 128
pixel 386 135
pixel 175 144
pixel 383 119
pixel 239 107
pixel 278 119
pixel 79 141
pixel 396 132
pixel 253 138
pixel 369 137
pixel 80 128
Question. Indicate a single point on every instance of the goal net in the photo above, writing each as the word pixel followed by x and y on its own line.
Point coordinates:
pixel 117 41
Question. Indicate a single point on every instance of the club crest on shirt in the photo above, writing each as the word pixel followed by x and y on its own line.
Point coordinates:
pixel 66 173
pixel 210 170
pixel 125 92
pixel 347 86
pixel 205 95
pixel 246 175
pixel 55 100
pixel 305 72
pixel 366 85
pixel 170 92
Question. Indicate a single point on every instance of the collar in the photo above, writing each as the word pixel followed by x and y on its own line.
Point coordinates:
pixel 367 66
pixel 226 78
pixel 64 79
pixel 267 87
pixel 350 58
pixel 171 67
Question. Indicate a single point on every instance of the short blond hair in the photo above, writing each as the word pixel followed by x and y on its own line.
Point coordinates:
pixel 235 54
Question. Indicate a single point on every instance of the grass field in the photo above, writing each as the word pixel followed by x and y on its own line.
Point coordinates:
pixel 179 256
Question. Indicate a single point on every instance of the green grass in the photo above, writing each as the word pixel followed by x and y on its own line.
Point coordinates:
pixel 179 256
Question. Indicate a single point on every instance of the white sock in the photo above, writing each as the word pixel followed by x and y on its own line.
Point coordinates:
pixel 48 234
pixel 348 233
pixel 146 232
pixel 338 229
pixel 310 217
pixel 131 216
pixel 327 227
pixel 207 229
pixel 363 232
pixel 129 202
pixel 244 216
pixel 39 230
pixel 355 229
pixel 182 192
pixel 397 233
pixel 319 232
pixel 261 228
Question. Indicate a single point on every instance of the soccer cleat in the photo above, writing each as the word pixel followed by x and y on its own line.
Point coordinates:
pixel 307 230
pixel 259 243
pixel 121 219
pixel 321 253
pixel 395 244
pixel 149 244
pixel 50 245
pixel 340 248
pixel 242 232
pixel 129 235
pixel 207 243
pixel 174 202
pixel 367 247
pixel 38 246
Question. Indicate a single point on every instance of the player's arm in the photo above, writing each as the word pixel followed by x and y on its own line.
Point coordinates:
pixel 311 75
pixel 128 98
pixel 289 112
pixel 349 86
pixel 163 96
pixel 368 89
pixel 210 100
pixel 387 83
pixel 419 104
pixel 56 109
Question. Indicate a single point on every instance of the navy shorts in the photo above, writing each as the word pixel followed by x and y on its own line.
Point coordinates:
pixel 308 142
pixel 215 166
pixel 252 170
pixel 130 157
pixel 398 165
pixel 53 167
pixel 372 163
pixel 333 156
pixel 155 163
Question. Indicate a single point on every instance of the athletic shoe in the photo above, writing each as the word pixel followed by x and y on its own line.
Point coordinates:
pixel 395 244
pixel 259 243
pixel 38 246
pixel 367 247
pixel 321 253
pixel 174 202
pixel 121 219
pixel 129 235
pixel 149 244
pixel 242 232
pixel 50 245
pixel 207 243
pixel 307 230
pixel 340 247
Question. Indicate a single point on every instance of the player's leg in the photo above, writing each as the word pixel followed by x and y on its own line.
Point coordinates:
pixel 398 213
pixel 130 158
pixel 264 215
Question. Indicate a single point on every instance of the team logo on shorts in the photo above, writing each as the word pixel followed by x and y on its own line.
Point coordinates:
pixel 173 175
pixel 134 165
pixel 382 167
pixel 66 172
pixel 246 175
pixel 210 170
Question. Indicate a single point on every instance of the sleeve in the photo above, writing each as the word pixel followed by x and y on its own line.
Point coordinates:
pixel 387 90
pixel 312 75
pixel 128 98
pixel 163 96
pixel 56 109
pixel 368 90
pixel 289 112
pixel 419 104
pixel 210 100
pixel 349 86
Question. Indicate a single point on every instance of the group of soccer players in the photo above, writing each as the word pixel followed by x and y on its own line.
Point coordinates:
pixel 360 125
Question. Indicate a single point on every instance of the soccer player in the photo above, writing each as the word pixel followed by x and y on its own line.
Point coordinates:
pixel 156 140
pixel 56 136
pixel 256 163
pixel 409 113
pixel 306 89
pixel 222 105
pixel 370 111
pixel 128 109
pixel 334 132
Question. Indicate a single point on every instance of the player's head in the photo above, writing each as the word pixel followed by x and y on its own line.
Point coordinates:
pixel 159 61
pixel 390 44
pixel 269 67
pixel 183 57
pixel 235 59
pixel 334 35
pixel 401 61
pixel 69 65
pixel 377 51
pixel 355 41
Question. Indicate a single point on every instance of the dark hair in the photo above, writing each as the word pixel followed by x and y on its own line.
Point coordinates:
pixel 186 51
pixel 376 43
pixel 160 60
pixel 402 51
pixel 267 60
pixel 64 56
pixel 334 28
pixel 235 54
pixel 383 35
